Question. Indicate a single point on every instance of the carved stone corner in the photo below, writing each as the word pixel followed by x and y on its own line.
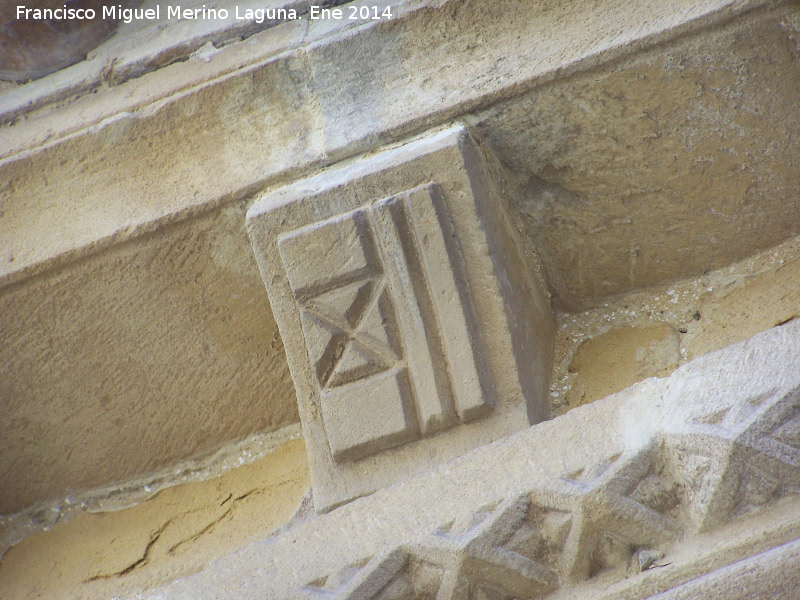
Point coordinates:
pixel 415 326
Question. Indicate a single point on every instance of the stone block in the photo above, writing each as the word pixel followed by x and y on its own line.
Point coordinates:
pixel 415 322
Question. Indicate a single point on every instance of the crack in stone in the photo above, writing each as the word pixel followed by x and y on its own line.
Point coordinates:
pixel 149 553
pixel 200 533
pixel 216 521
pixel 246 494
pixel 142 561
pixel 146 554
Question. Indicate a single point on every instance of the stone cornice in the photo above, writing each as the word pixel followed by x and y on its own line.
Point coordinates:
pixel 286 102
pixel 631 496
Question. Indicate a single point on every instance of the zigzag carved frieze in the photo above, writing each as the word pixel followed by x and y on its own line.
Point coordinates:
pixel 608 516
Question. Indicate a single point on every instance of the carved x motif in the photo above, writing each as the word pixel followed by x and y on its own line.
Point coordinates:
pixel 602 510
pixel 748 454
pixel 351 332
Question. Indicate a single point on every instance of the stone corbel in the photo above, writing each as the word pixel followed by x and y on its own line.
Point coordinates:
pixel 415 323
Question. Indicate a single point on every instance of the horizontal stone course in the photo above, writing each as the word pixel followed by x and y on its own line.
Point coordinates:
pixel 565 506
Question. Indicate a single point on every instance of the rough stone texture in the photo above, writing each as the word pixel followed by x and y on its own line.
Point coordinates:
pixel 620 357
pixel 150 148
pixel 136 358
pixel 758 303
pixel 138 47
pixel 702 466
pixel 409 306
pixel 180 150
pixel 174 532
pixel 605 349
pixel 771 574
pixel 34 48
pixel 647 169
pixel 343 98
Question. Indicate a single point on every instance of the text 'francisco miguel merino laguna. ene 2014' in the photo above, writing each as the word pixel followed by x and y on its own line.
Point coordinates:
pixel 127 15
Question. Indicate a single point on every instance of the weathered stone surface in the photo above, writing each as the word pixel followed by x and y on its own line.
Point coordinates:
pixel 757 303
pixel 344 98
pixel 35 48
pixel 138 47
pixel 136 358
pixel 408 307
pixel 620 357
pixel 661 166
pixel 132 538
pixel 652 331
pixel 665 467
pixel 772 574
pixel 566 110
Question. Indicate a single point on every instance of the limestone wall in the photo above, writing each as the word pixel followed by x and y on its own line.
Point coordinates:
pixel 645 142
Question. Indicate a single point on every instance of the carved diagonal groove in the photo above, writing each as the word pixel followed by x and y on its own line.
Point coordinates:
pixel 595 519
